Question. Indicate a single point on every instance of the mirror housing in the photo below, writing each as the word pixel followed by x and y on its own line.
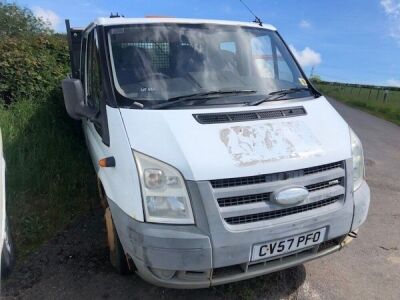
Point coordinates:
pixel 74 99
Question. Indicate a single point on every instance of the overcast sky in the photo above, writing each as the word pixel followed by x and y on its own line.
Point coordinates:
pixel 351 41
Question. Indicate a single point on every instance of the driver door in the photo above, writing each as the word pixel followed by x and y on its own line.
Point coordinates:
pixel 94 97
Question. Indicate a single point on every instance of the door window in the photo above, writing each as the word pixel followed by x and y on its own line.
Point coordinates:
pixel 94 89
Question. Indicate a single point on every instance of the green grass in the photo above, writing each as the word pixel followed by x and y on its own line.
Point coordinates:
pixel 49 178
pixel 371 100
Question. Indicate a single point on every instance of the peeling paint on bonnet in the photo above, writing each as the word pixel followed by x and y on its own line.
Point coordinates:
pixel 250 145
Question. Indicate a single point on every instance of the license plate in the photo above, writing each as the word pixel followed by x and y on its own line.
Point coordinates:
pixel 290 244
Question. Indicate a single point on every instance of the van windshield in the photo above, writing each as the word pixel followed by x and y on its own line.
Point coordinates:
pixel 153 63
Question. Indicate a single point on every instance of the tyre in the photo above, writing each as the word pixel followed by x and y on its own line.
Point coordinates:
pixel 117 254
pixel 7 253
pixel 102 194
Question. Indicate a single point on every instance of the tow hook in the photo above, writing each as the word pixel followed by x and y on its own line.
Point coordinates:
pixel 353 234
pixel 349 238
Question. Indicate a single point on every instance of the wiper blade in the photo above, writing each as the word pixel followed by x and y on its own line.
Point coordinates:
pixel 289 91
pixel 199 97
pixel 210 93
pixel 278 94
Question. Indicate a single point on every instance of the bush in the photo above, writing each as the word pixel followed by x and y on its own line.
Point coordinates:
pixel 30 68
pixel 49 177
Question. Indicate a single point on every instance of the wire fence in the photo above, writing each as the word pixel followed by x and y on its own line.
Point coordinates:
pixel 382 94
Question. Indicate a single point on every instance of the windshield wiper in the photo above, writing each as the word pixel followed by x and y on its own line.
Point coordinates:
pixel 279 94
pixel 199 97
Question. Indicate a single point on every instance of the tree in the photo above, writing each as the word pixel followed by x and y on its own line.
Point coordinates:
pixel 17 21
pixel 33 59
pixel 316 78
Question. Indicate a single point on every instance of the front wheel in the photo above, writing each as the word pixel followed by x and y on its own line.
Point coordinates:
pixel 117 254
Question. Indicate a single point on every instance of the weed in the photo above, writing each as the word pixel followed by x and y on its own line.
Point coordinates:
pixel 49 177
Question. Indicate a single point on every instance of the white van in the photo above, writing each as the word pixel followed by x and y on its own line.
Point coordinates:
pixel 6 245
pixel 217 160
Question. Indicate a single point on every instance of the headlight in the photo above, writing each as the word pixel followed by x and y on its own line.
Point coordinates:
pixel 164 193
pixel 358 160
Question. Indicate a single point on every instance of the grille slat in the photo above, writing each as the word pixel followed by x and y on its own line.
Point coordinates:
pixel 233 201
pixel 324 185
pixel 231 182
pixel 280 213
pixel 216 118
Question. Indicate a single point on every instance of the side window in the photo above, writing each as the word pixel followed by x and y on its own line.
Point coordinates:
pixel 94 87
pixel 83 61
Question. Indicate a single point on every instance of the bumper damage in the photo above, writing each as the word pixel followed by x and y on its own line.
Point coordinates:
pixel 182 256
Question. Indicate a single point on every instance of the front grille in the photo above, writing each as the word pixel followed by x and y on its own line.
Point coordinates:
pixel 239 200
pixel 247 199
pixel 227 117
pixel 230 182
pixel 280 213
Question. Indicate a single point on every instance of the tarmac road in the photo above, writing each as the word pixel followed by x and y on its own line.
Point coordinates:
pixel 74 264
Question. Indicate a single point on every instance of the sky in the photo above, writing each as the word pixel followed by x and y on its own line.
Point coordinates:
pixel 355 41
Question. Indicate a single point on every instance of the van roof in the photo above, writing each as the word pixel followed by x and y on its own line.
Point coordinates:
pixel 153 20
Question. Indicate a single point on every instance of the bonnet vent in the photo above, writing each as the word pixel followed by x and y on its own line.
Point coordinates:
pixel 227 117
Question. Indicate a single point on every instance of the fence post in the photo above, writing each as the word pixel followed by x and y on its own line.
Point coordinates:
pixel 377 94
pixel 369 95
pixel 385 95
pixel 359 91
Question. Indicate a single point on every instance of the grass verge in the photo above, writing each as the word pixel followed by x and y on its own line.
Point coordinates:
pixel 366 99
pixel 49 179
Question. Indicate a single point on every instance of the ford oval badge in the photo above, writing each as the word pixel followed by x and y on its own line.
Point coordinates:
pixel 290 195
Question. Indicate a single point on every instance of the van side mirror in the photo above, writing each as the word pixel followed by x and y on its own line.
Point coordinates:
pixel 74 100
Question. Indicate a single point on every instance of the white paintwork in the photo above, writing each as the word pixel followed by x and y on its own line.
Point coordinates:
pixel 199 153
pixel 2 194
pixel 121 183
pixel 127 21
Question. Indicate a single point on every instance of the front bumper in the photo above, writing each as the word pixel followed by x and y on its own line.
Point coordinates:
pixel 361 205
pixel 213 277
pixel 209 254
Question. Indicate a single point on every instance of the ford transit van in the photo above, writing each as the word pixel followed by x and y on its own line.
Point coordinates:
pixel 217 160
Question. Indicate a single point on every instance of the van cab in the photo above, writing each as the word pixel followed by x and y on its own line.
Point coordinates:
pixel 217 160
